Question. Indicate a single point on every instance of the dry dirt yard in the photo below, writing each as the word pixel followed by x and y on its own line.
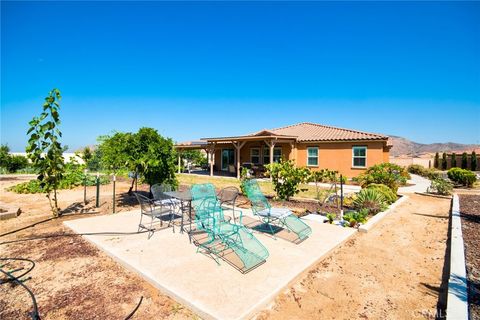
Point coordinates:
pixel 392 272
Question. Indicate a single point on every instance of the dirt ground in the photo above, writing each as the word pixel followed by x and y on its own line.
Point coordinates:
pixel 470 213
pixel 392 272
pixel 72 279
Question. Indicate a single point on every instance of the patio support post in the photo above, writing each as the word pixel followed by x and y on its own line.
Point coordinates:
pixel 210 155
pixel 179 160
pixel 271 145
pixel 238 146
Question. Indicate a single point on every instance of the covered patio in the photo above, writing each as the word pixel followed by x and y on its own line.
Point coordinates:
pixel 227 155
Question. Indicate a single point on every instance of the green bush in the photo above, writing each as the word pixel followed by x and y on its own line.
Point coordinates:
pixel 441 186
pixel 355 217
pixel 371 200
pixel 462 176
pixel 417 169
pixel 286 178
pixel 389 174
pixel 387 193
pixel 73 177
pixel 430 173
pixel 11 163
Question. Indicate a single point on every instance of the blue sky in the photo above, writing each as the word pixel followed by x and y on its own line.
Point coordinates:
pixel 195 70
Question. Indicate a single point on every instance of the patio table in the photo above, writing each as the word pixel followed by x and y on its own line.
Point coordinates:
pixel 185 198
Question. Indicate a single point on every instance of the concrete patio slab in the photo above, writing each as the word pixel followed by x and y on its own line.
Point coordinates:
pixel 171 263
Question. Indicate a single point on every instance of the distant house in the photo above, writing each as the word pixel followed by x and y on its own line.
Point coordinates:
pixel 307 144
pixel 67 156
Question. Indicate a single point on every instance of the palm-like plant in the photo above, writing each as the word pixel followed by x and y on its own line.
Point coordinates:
pixel 370 199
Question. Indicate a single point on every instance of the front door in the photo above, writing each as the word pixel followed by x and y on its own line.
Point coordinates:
pixel 228 158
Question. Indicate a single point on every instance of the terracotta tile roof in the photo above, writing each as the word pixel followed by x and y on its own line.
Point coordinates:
pixel 307 131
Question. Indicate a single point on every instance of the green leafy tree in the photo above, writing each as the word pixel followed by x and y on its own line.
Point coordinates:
pixel 473 161
pixel 155 157
pixel 44 148
pixel 4 156
pixel 145 153
pixel 453 162
pixel 444 161
pixel 194 156
pixel 464 160
pixel 16 163
pixel 286 178
pixel 436 161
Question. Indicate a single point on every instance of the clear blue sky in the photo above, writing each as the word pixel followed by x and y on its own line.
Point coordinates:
pixel 195 70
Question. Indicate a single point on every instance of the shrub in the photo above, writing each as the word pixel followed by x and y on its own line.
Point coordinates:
pixel 371 200
pixel 72 178
pixel 349 199
pixel 417 169
pixel 331 217
pixel 441 186
pixel 286 178
pixel 444 161
pixel 473 161
pixel 436 161
pixel 453 161
pixel 355 217
pixel 389 174
pixel 387 193
pixel 464 160
pixel 462 176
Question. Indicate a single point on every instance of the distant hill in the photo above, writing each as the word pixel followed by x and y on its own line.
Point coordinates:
pixel 402 146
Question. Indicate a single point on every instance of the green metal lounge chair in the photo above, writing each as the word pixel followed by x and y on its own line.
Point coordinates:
pixel 222 237
pixel 274 219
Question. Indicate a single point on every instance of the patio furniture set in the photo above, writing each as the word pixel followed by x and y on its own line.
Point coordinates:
pixel 201 213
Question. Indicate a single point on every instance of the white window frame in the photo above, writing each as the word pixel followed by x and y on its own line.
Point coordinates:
pixel 266 154
pixel 259 155
pixel 362 157
pixel 313 165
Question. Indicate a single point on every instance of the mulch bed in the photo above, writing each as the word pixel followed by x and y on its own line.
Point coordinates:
pixel 470 213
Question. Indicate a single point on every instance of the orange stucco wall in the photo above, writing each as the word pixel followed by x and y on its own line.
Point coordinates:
pixel 333 156
pixel 338 156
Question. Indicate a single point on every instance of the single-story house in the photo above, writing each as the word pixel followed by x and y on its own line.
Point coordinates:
pixel 307 144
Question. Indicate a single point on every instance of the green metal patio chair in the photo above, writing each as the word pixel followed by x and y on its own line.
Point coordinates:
pixel 273 219
pixel 222 237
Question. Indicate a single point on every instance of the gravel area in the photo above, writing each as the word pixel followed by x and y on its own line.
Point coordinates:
pixel 470 213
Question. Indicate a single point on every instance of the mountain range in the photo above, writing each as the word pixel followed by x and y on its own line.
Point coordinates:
pixel 402 146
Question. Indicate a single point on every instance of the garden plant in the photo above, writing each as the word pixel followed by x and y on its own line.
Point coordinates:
pixel 286 178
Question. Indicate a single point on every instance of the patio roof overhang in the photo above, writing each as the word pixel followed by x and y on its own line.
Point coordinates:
pixel 278 138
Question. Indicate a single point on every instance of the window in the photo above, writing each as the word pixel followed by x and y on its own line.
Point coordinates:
pixel 228 158
pixel 359 157
pixel 255 155
pixel 277 155
pixel 312 157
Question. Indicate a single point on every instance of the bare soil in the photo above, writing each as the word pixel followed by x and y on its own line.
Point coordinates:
pixel 72 279
pixel 470 213
pixel 394 271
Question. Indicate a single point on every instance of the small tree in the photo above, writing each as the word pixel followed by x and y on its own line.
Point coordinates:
pixel 436 161
pixel 444 161
pixel 464 160
pixel 473 161
pixel 4 156
pixel 453 161
pixel 44 148
pixel 286 178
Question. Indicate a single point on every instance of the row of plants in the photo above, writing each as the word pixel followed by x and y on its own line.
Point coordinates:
pixel 74 176
pixel 379 187
pixel 439 185
pixel 443 162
